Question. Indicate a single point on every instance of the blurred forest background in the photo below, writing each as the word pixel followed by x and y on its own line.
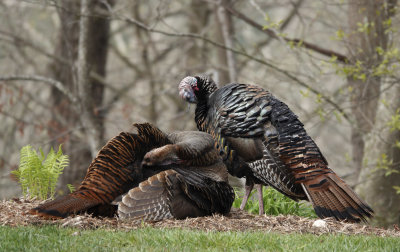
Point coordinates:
pixel 77 72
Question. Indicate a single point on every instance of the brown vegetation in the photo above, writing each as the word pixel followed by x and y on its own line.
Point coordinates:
pixel 14 213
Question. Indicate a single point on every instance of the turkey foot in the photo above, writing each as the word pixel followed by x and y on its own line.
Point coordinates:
pixel 164 155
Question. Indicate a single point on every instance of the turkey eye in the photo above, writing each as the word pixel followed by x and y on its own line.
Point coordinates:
pixel 195 88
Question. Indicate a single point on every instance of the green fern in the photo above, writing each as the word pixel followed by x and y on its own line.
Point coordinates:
pixel 37 174
pixel 276 203
pixel 71 188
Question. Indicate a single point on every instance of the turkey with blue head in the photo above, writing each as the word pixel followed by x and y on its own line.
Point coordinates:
pixel 261 139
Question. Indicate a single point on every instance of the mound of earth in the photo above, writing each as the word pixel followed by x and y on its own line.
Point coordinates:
pixel 14 213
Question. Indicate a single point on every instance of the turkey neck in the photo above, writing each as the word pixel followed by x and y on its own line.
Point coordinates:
pixel 207 89
pixel 203 117
pixel 204 95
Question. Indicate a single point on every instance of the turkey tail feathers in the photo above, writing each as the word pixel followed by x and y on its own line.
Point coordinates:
pixel 113 172
pixel 151 134
pixel 332 197
pixel 63 206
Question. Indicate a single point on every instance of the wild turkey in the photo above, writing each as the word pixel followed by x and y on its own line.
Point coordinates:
pixel 262 139
pixel 195 185
pixel 116 169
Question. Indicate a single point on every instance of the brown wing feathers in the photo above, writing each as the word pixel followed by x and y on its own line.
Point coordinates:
pixel 196 184
pixel 197 187
pixel 170 194
pixel 113 172
pixel 148 201
pixel 237 115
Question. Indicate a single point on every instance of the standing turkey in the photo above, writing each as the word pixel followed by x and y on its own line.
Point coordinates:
pixel 118 168
pixel 261 139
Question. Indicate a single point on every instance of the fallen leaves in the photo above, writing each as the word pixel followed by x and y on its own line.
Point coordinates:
pixel 14 213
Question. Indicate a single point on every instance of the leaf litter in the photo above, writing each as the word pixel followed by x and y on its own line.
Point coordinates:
pixel 13 213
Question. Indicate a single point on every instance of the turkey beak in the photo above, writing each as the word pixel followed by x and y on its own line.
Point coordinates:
pixel 186 93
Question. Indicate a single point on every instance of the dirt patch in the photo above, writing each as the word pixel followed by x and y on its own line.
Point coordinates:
pixel 14 213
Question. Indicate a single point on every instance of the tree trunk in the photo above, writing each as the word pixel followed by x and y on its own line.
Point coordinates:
pixel 144 45
pixel 91 125
pixel 377 188
pixel 67 122
pixel 369 32
pixel 227 31
pixel 365 87
pixel 221 57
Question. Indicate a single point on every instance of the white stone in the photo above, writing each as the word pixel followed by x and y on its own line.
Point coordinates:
pixel 319 224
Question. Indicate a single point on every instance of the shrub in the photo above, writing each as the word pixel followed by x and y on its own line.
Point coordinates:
pixel 275 203
pixel 38 175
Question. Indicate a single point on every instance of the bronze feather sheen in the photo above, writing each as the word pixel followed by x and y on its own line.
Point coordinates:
pixel 167 175
pixel 115 170
pixel 195 185
pixel 260 138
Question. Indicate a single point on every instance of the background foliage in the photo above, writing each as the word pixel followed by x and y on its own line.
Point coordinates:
pixel 276 203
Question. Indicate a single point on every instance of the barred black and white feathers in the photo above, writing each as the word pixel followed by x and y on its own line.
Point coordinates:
pixel 169 175
pixel 196 183
pixel 148 201
pixel 262 139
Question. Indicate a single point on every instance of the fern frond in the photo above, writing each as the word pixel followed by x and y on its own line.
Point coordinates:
pixel 71 188
pixel 59 163
pixel 50 160
pixel 38 174
pixel 29 163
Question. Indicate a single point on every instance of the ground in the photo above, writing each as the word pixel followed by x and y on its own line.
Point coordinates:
pixel 14 213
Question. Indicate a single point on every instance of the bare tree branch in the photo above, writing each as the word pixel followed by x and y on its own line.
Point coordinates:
pixel 288 19
pixel 282 71
pixel 126 60
pixel 200 37
pixel 31 45
pixel 60 60
pixel 292 13
pixel 47 80
pixel 329 53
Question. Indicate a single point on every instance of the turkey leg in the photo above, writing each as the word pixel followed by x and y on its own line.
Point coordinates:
pixel 260 199
pixel 248 188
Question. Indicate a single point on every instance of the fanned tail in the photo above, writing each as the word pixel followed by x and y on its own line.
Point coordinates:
pixel 332 197
pixel 113 172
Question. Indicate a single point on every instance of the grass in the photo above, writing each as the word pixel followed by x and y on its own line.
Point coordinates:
pixel 275 203
pixel 53 238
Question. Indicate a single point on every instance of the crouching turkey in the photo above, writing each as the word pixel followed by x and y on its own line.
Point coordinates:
pixel 195 183
pixel 261 139
pixel 174 175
